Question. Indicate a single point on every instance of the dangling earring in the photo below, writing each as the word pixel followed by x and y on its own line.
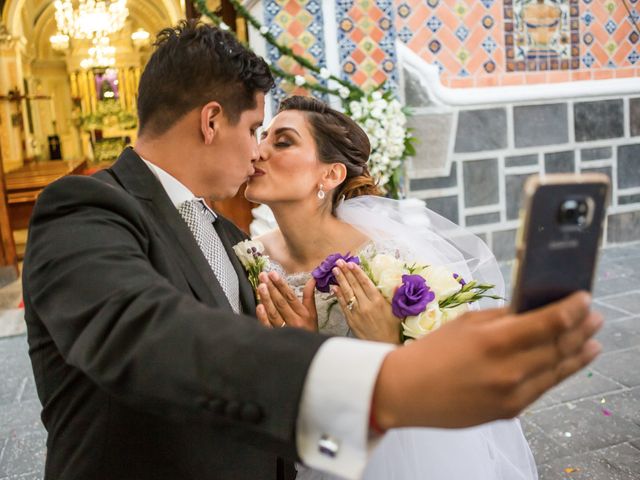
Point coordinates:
pixel 321 193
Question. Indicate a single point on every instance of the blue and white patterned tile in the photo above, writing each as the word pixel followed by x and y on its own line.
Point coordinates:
pixel 588 59
pixel 489 45
pixel 462 33
pixel 434 24
pixel 610 26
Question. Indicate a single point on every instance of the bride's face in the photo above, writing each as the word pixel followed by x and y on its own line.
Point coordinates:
pixel 288 168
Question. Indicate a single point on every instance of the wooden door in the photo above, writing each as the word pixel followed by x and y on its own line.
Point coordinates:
pixel 8 257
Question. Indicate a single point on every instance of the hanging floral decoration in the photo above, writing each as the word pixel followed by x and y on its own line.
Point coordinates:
pixel 381 115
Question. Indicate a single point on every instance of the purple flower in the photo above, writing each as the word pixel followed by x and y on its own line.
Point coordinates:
pixel 323 273
pixel 459 279
pixel 412 297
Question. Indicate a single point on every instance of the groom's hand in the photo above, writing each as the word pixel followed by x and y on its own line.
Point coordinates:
pixel 280 307
pixel 485 366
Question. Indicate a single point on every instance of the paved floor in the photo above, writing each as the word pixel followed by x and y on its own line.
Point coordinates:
pixel 587 428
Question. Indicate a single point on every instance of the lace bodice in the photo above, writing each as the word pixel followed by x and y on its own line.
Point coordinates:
pixel 331 321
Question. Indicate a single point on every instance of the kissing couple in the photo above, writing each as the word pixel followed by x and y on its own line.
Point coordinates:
pixel 152 361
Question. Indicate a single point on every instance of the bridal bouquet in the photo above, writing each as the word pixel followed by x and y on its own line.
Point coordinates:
pixel 253 259
pixel 424 296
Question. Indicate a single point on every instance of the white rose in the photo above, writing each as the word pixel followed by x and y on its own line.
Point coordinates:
pixel 377 112
pixel 419 325
pixel 370 124
pixel 299 80
pixel 381 103
pixel 376 95
pixel 396 132
pixel 396 151
pixel 441 281
pixel 223 26
pixel 343 92
pixel 325 73
pixel 264 30
pixel 449 314
pixel 387 271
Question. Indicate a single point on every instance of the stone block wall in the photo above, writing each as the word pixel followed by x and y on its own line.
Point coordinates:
pixel 492 149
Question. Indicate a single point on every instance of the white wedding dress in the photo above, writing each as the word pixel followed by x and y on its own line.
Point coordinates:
pixel 493 451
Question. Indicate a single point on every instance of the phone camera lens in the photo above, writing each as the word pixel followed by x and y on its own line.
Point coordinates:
pixel 573 212
pixel 568 211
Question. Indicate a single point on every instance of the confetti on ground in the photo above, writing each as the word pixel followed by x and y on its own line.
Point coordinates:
pixel 606 413
pixel 571 406
pixel 590 374
pixel 567 434
pixel 603 401
pixel 570 470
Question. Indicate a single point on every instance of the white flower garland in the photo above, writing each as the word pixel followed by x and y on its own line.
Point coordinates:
pixel 384 120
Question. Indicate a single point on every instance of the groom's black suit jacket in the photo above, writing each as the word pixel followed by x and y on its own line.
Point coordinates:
pixel 143 370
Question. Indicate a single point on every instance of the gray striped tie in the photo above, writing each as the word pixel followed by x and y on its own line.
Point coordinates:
pixel 200 221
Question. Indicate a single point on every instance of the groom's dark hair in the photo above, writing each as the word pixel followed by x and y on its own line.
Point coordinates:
pixel 194 64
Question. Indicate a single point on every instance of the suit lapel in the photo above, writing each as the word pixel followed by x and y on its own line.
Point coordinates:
pixel 247 297
pixel 136 177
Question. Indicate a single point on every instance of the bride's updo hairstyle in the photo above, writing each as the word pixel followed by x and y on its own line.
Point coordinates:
pixel 339 140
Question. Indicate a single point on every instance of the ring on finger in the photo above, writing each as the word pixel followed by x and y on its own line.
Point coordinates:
pixel 351 303
pixel 284 324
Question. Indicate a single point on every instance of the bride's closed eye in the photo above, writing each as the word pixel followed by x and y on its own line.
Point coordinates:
pixel 283 142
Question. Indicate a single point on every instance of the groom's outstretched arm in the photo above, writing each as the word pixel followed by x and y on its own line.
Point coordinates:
pixel 484 366
pixel 490 365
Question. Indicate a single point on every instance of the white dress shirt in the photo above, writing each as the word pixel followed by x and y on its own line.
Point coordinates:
pixel 332 431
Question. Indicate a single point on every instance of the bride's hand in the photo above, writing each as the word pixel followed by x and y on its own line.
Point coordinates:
pixel 367 312
pixel 279 306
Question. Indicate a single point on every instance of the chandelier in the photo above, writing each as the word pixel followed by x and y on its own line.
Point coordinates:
pixel 92 19
pixel 140 38
pixel 59 42
pixel 101 55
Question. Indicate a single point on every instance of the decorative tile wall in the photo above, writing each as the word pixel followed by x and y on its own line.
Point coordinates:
pixel 366 41
pixel 541 35
pixel 478 43
pixel 366 38
pixel 299 25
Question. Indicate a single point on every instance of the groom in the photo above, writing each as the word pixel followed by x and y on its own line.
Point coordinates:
pixel 148 359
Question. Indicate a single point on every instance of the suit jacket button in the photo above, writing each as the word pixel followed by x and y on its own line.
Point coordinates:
pixel 251 413
pixel 217 405
pixel 232 410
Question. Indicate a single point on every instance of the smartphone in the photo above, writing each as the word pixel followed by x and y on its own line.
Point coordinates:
pixel 559 237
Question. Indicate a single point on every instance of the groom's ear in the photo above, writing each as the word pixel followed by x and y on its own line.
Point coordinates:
pixel 334 175
pixel 210 116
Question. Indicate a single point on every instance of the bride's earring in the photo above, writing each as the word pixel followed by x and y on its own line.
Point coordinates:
pixel 321 193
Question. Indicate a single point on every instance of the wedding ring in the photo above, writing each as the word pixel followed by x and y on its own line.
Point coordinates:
pixel 351 303
pixel 284 324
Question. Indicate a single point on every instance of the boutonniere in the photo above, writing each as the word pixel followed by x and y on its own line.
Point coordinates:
pixel 253 259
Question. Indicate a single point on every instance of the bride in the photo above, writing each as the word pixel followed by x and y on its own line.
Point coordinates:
pixel 313 174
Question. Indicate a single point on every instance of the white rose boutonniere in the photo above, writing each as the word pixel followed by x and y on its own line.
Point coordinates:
pixel 253 259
